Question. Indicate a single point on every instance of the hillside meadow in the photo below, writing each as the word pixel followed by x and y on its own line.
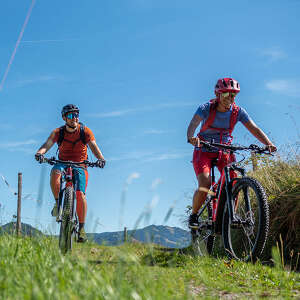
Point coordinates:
pixel 33 268
pixel 281 179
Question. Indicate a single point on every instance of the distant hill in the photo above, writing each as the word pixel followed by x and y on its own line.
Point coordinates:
pixel 26 229
pixel 171 237
pixel 166 236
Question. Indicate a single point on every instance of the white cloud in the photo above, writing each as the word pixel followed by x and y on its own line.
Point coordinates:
pixel 284 86
pixel 167 156
pixel 118 113
pixel 132 176
pixel 150 156
pixel 155 131
pixel 273 54
pixel 18 144
pixel 38 79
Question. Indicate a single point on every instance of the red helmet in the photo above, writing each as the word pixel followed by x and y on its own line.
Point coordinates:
pixel 227 85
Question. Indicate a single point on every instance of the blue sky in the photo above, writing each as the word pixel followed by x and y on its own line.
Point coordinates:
pixel 138 70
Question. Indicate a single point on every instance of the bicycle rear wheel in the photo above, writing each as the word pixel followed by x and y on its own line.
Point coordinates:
pixel 202 238
pixel 246 240
pixel 67 226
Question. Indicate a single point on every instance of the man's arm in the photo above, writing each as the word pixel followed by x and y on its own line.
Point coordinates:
pixel 260 135
pixel 47 145
pixel 191 130
pixel 95 149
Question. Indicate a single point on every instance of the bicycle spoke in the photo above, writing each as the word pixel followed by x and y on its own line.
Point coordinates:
pixel 246 238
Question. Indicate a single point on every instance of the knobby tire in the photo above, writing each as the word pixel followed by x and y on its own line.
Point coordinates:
pixel 247 242
pixel 66 227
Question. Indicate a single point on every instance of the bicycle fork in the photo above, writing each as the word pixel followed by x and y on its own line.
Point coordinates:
pixel 231 210
pixel 65 181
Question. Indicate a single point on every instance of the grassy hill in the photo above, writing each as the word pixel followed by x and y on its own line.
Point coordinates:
pixel 33 268
pixel 26 229
pixel 281 179
pixel 171 237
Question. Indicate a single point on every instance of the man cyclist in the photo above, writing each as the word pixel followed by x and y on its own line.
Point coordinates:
pixel 72 139
pixel 218 117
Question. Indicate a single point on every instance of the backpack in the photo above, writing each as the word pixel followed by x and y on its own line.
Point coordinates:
pixel 212 115
pixel 62 134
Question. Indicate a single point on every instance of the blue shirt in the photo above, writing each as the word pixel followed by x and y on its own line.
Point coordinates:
pixel 222 120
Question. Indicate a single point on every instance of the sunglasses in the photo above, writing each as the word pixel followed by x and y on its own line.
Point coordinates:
pixel 225 95
pixel 73 115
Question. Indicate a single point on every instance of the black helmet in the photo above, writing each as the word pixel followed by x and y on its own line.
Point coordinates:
pixel 69 108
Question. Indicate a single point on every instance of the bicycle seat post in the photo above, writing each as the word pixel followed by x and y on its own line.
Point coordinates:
pixel 213 164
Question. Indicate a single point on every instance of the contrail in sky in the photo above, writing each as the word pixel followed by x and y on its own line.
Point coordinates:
pixel 48 41
pixel 17 44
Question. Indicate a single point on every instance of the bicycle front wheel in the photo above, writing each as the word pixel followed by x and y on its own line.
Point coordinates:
pixel 66 227
pixel 246 239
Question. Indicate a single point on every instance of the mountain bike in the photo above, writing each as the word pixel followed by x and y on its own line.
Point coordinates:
pixel 67 216
pixel 235 207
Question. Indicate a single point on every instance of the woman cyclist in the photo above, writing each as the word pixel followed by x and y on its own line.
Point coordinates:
pixel 218 118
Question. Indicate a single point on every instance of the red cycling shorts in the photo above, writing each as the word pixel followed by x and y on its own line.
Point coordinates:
pixel 202 161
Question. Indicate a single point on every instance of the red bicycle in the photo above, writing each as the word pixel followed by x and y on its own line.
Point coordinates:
pixel 235 208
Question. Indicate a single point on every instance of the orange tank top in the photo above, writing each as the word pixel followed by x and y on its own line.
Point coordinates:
pixel 72 148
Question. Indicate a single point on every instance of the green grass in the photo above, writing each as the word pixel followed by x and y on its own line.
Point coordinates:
pixel 281 179
pixel 33 268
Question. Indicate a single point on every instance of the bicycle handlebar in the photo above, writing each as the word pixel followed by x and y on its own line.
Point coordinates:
pixel 254 148
pixel 53 160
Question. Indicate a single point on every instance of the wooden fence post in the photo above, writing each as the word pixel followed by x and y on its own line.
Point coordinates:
pixel 19 203
pixel 125 234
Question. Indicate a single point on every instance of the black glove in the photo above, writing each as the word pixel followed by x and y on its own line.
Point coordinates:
pixel 100 163
pixel 39 157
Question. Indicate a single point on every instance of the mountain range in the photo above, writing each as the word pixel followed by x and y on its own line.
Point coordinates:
pixel 166 236
pixel 171 237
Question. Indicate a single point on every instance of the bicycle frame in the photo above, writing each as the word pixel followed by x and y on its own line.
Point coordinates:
pixel 66 180
pixel 217 198
pixel 227 209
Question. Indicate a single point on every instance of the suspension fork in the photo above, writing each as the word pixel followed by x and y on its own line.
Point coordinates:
pixel 75 186
pixel 245 190
pixel 71 183
pixel 60 198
